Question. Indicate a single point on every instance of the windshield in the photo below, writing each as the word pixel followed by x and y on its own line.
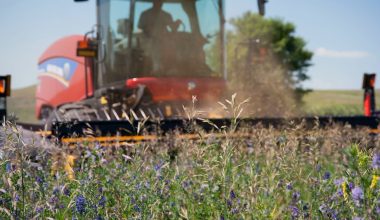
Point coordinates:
pixel 159 38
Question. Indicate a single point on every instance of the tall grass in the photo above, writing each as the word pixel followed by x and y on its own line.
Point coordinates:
pixel 284 173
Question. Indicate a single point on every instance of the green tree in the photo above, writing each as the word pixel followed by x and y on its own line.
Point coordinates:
pixel 267 60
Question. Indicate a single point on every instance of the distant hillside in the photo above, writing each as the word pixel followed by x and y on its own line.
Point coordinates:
pixel 336 102
pixel 22 102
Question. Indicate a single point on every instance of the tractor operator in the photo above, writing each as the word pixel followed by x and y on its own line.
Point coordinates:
pixel 156 23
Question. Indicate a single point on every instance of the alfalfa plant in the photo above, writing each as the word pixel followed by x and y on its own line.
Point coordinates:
pixel 14 149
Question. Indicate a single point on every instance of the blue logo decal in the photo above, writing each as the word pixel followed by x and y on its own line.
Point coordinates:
pixel 61 69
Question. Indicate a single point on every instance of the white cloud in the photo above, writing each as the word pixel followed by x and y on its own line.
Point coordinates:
pixel 323 52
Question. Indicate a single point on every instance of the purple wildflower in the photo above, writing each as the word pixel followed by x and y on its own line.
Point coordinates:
pixel 326 175
pixel 16 198
pixel 232 195
pixel 357 195
pixel 289 186
pixel 39 180
pixel 39 209
pixel 376 161
pixel 339 181
pixel 229 203
pixel 323 209
pixel 294 211
pixel 167 182
pixel 296 196
pixel 186 184
pixel 377 209
pixel 66 191
pixel 235 211
pixel 53 200
pixel 339 193
pixel 351 185
pixel 357 218
pixel 80 204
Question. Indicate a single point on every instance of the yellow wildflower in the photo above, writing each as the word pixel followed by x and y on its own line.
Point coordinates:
pixel 374 181
pixel 70 161
pixel 344 189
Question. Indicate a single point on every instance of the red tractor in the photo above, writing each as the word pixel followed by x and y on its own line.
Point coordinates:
pixel 144 57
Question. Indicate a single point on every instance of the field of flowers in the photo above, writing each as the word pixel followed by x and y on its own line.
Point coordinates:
pixel 287 173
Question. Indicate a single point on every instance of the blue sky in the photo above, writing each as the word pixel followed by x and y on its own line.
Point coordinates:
pixel 343 34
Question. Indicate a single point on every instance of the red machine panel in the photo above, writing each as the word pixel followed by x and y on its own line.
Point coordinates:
pixel 61 75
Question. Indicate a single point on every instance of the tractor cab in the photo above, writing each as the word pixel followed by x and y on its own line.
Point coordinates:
pixel 159 38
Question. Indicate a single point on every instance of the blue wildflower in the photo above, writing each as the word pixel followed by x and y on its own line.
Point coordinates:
pixel 158 166
pixel 376 161
pixel 136 208
pixel 8 167
pixel 80 204
pixel 326 175
pixel 102 201
pixel 357 195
